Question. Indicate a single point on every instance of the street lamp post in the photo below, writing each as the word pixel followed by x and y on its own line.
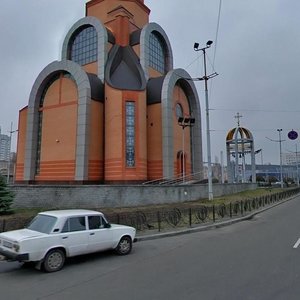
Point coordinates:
pixel 261 155
pixel 9 154
pixel 297 167
pixel 281 177
pixel 184 122
pixel 206 78
pixel 280 154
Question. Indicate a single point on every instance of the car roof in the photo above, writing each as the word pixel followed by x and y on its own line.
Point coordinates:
pixel 70 212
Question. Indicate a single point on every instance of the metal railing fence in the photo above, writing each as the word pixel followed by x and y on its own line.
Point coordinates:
pixel 164 219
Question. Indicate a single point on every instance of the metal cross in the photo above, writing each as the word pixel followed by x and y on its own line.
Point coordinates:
pixel 238 117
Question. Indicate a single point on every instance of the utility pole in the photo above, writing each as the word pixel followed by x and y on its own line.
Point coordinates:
pixel 280 153
pixel 297 167
pixel 222 167
pixel 281 177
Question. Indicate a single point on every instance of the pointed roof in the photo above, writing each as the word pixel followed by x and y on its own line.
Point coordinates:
pixel 139 2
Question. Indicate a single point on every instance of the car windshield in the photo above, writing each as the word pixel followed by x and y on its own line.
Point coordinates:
pixel 42 223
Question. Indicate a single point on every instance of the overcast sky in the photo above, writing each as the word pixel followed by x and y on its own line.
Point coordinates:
pixel 256 55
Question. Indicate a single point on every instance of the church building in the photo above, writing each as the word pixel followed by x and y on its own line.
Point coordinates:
pixel 112 110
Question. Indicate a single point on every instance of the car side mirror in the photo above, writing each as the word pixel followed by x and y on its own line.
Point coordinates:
pixel 107 225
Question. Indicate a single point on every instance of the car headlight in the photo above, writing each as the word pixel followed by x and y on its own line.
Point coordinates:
pixel 16 247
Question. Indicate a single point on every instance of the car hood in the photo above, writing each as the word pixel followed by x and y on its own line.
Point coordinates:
pixel 117 226
pixel 20 234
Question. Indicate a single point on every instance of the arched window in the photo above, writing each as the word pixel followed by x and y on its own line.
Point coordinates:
pixel 157 57
pixel 84 46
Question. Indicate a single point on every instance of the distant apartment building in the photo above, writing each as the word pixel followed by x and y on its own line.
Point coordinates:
pixel 4 147
pixel 217 171
pixel 290 158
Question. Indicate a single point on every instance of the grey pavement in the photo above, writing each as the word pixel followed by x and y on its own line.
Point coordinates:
pixel 251 260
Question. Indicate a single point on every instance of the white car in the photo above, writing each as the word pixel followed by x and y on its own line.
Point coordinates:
pixel 54 235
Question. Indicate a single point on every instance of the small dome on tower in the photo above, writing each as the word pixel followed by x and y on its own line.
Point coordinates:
pixel 244 134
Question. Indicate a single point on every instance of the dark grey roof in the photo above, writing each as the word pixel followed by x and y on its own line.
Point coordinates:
pixel 123 70
pixel 135 37
pixel 111 38
pixel 154 87
pixel 97 87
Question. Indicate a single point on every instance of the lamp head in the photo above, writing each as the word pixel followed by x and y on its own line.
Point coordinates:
pixel 196 45
pixel 180 119
pixel 209 43
pixel 186 120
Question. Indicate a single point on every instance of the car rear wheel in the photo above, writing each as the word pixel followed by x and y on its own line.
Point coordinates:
pixel 54 260
pixel 125 245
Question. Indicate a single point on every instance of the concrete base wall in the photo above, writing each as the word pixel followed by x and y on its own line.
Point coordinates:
pixel 98 196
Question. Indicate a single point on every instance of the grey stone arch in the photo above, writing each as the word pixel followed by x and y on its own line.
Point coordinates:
pixel 242 137
pixel 102 37
pixel 184 79
pixel 145 50
pixel 83 117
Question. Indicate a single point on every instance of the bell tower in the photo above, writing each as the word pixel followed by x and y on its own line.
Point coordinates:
pixel 125 105
pixel 121 17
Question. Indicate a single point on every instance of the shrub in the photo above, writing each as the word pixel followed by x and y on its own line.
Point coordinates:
pixel 6 198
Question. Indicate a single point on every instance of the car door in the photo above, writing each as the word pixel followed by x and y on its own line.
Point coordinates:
pixel 74 236
pixel 100 237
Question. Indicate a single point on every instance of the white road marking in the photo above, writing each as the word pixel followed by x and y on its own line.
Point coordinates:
pixel 297 244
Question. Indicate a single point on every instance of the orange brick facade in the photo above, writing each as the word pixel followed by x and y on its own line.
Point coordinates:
pixel 110 116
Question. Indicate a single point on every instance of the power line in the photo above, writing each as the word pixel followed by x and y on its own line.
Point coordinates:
pixel 256 110
pixel 215 43
pixel 252 129
pixel 217 32
pixel 197 58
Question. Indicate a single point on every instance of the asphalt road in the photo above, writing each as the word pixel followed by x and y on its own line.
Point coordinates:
pixel 254 259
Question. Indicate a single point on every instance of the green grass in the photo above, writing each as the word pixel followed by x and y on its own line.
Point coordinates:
pixel 243 196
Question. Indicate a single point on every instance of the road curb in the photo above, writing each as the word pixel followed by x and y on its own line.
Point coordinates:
pixel 210 226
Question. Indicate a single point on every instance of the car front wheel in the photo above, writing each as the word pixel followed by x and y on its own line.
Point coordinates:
pixel 125 245
pixel 54 260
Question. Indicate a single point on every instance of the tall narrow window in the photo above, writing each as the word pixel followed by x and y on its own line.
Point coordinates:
pixel 39 141
pixel 130 134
